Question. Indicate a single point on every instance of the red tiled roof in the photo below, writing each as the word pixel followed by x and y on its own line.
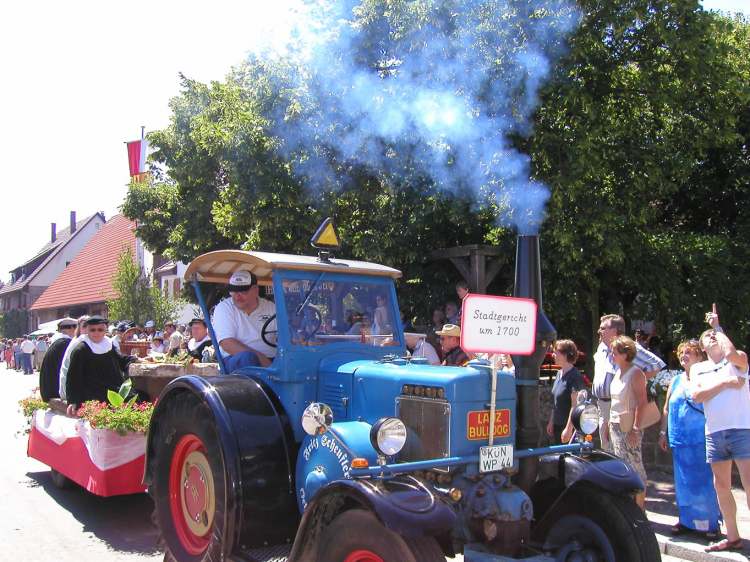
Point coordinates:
pixel 88 278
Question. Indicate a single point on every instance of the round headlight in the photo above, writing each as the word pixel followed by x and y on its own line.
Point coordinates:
pixel 317 418
pixel 388 436
pixel 586 418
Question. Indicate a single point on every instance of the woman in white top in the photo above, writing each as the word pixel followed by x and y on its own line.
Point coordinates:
pixel 628 392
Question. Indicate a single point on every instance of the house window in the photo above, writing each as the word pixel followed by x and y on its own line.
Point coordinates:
pixel 176 287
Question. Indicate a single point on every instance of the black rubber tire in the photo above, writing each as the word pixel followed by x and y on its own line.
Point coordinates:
pixel 358 529
pixel 425 549
pixel 60 481
pixel 623 523
pixel 183 415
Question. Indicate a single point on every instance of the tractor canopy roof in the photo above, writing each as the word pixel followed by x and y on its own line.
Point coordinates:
pixel 218 266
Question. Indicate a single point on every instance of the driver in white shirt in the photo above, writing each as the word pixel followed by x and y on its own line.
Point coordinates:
pixel 238 321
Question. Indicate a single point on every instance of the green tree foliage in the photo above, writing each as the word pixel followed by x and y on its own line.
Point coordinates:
pixel 641 134
pixel 13 323
pixel 136 300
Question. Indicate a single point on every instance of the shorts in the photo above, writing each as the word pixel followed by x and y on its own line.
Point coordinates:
pixel 729 444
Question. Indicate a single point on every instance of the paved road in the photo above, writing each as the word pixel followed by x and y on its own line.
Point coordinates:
pixel 38 522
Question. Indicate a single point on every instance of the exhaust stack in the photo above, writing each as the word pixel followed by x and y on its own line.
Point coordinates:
pixel 528 284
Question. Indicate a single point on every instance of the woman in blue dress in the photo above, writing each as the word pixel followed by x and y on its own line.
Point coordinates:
pixel 683 427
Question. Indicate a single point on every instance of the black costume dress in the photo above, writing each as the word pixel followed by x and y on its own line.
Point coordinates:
pixel 91 374
pixel 197 353
pixel 49 373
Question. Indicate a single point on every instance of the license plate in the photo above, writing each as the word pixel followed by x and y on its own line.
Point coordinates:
pixel 478 424
pixel 495 457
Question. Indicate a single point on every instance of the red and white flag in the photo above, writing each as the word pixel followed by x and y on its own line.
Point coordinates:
pixel 137 158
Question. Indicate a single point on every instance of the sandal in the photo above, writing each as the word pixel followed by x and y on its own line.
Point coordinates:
pixel 725 544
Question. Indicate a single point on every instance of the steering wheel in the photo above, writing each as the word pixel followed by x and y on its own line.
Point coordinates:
pixel 265 331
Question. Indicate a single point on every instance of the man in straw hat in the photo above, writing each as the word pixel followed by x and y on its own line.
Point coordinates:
pixel 450 342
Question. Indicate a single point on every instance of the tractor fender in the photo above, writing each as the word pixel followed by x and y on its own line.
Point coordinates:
pixel 258 453
pixel 564 474
pixel 402 504
pixel 601 469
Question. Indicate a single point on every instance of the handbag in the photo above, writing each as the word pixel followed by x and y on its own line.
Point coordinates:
pixel 650 415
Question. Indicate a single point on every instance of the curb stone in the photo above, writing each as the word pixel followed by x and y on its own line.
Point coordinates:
pixel 686 550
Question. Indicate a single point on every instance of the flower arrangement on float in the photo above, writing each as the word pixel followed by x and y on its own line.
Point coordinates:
pixel 102 449
pixel 128 417
pixel 121 413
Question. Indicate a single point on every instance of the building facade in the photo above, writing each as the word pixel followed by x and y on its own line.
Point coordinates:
pixel 87 283
pixel 29 280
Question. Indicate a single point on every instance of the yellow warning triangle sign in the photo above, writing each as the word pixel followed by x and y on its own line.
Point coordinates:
pixel 326 236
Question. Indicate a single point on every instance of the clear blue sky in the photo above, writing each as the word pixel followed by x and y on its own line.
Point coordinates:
pixel 80 78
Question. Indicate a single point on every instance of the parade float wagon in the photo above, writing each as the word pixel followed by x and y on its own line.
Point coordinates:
pixel 343 450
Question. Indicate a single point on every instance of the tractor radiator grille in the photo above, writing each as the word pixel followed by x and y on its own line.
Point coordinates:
pixel 428 428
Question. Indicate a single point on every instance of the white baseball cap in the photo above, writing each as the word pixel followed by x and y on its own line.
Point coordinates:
pixel 241 280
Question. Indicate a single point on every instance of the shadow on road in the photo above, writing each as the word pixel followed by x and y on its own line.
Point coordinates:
pixel 122 522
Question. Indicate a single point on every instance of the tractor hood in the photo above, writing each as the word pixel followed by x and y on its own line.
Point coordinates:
pixel 425 397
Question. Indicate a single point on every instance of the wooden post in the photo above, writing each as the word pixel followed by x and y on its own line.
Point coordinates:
pixel 478 264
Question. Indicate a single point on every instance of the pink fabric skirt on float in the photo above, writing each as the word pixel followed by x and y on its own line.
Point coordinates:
pixel 99 460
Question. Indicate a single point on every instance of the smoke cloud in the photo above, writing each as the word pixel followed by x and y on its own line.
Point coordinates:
pixel 425 88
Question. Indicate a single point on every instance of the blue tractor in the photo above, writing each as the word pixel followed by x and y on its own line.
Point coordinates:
pixel 346 450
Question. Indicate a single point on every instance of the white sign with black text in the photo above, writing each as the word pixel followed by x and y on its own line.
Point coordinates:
pixel 491 324
pixel 495 457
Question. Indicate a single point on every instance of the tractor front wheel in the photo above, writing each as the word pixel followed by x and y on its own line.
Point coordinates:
pixel 597 525
pixel 357 536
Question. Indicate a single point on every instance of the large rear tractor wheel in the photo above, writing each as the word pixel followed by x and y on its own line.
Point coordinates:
pixel 596 525
pixel 189 486
pixel 357 536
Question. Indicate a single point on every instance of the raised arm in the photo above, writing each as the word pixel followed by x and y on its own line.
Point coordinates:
pixel 732 354
pixel 735 357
